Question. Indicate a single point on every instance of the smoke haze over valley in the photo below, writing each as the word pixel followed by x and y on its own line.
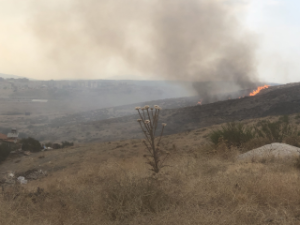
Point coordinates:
pixel 190 40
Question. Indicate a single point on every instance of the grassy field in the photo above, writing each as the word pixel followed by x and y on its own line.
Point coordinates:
pixel 109 183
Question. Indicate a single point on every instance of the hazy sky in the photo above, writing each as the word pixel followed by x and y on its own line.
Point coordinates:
pixel 277 22
pixel 275 25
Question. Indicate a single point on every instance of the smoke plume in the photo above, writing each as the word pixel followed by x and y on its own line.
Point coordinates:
pixel 189 40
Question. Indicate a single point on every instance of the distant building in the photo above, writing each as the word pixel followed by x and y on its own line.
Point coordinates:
pixel 5 139
pixel 40 100
pixel 13 135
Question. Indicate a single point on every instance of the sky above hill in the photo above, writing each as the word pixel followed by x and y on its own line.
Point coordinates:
pixel 277 23
pixel 25 44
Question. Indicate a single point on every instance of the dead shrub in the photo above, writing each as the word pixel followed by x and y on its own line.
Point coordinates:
pixel 293 140
pixel 123 199
pixel 297 163
pixel 224 152
pixel 275 131
pixel 255 143
pixel 148 122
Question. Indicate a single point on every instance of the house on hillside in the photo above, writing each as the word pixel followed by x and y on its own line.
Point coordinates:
pixel 13 135
pixel 5 139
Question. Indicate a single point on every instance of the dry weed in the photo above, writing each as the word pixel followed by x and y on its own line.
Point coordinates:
pixel 125 198
pixel 148 121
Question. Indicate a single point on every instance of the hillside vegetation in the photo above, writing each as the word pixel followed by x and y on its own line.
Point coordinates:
pixel 109 183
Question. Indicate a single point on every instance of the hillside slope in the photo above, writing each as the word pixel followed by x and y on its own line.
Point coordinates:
pixel 273 101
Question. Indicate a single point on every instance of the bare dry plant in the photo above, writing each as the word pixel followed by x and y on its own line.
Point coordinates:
pixel 149 121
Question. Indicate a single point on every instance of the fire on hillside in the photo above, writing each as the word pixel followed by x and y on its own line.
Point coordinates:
pixel 253 93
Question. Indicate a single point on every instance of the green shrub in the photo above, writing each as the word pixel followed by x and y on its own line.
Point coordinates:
pixel 65 144
pixel 5 150
pixel 234 134
pixel 56 146
pixel 239 135
pixel 30 144
pixel 48 144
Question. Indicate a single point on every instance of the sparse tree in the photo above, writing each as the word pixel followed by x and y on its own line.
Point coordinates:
pixel 148 121
pixel 5 150
pixel 30 144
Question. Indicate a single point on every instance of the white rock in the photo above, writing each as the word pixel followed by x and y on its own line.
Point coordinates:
pixel 22 180
pixel 277 150
pixel 11 174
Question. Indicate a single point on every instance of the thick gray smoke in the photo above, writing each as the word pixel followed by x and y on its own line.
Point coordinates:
pixel 189 40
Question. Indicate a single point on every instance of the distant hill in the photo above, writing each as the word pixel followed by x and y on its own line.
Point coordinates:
pixel 277 100
pixel 10 76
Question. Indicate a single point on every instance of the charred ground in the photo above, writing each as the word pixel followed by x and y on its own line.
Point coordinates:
pixel 277 100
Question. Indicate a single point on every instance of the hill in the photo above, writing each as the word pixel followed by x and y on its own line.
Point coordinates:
pixel 276 100
pixel 5 76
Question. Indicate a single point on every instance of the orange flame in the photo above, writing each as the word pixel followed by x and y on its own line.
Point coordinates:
pixel 200 102
pixel 255 92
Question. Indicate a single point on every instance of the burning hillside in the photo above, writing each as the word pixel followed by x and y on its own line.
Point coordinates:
pixel 255 92
pixel 235 96
pixel 181 115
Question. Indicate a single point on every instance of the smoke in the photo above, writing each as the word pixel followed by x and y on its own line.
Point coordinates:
pixel 189 40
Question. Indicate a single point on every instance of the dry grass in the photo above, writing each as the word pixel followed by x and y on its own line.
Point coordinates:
pixel 210 190
pixel 102 184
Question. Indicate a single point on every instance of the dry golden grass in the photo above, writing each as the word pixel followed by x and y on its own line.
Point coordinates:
pixel 109 183
pixel 210 190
